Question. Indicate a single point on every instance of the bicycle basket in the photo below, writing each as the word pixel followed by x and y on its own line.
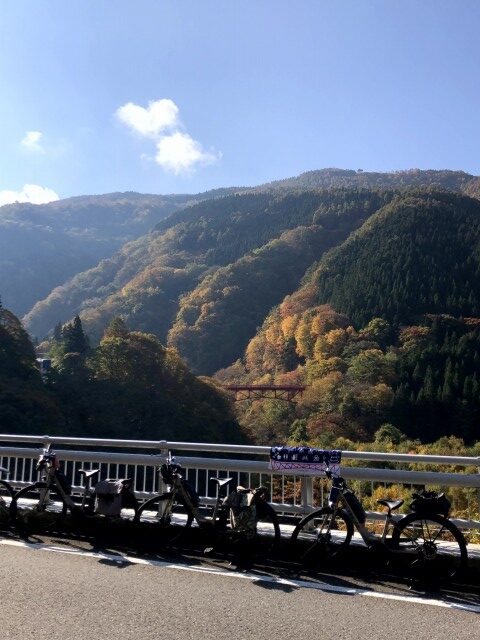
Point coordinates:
pixel 355 505
pixel 430 503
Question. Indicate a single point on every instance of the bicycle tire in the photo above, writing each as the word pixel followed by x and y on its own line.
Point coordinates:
pixel 29 516
pixel 267 535
pixel 168 528
pixel 437 548
pixel 6 495
pixel 315 541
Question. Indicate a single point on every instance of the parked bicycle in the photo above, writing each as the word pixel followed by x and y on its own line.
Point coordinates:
pixel 431 546
pixel 43 505
pixel 177 509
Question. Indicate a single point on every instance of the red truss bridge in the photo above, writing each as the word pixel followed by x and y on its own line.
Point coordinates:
pixel 265 392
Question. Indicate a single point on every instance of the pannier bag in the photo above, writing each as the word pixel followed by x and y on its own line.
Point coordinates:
pixel 243 512
pixel 355 505
pixel 430 503
pixel 111 496
pixel 108 497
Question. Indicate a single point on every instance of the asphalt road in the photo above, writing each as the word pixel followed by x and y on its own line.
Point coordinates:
pixel 61 591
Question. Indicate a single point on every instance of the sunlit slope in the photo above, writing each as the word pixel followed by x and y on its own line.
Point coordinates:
pixel 383 330
pixel 418 255
pixel 144 280
pixel 218 317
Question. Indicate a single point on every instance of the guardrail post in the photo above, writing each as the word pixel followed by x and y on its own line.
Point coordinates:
pixel 307 492
pixel 161 486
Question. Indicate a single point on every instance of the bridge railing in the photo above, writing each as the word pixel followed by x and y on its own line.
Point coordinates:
pixel 291 493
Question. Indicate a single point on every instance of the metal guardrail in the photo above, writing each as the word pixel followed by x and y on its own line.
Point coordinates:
pixel 141 457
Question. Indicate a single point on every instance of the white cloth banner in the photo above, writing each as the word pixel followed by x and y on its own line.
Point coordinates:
pixel 305 460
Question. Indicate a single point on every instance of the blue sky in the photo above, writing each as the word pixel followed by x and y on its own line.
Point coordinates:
pixel 182 96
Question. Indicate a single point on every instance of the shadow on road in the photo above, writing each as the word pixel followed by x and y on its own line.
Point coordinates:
pixel 357 568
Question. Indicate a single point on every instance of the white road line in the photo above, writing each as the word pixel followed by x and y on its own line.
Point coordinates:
pixel 121 558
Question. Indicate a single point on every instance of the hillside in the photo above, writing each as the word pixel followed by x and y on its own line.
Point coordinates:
pixel 384 329
pixel 145 279
pixel 25 405
pixel 217 318
pixel 419 254
pixel 43 245
pixel 130 386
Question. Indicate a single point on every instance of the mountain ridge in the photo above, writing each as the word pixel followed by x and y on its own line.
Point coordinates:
pixel 175 210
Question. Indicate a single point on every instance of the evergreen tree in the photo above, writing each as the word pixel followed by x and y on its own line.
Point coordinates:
pixel 74 338
pixel 57 332
pixel 448 383
pixel 116 329
pixel 428 390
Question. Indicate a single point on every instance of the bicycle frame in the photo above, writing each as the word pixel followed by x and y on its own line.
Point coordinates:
pixel 47 461
pixel 337 500
pixel 178 491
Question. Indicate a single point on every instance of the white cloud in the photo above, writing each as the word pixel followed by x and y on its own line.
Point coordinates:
pixel 159 116
pixel 32 193
pixel 31 141
pixel 177 151
pixel 180 152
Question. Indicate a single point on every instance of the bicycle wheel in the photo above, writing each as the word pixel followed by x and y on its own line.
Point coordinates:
pixel 167 520
pixel 434 548
pixel 6 494
pixel 321 536
pixel 35 510
pixel 268 534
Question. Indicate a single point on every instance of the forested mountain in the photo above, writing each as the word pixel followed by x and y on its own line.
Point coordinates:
pixel 206 277
pixel 419 254
pixel 145 279
pixel 372 330
pixel 369 296
pixel 43 245
pixel 217 318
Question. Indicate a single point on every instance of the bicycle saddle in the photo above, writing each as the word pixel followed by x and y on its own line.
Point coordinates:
pixel 221 481
pixel 390 504
pixel 124 481
pixel 88 473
